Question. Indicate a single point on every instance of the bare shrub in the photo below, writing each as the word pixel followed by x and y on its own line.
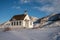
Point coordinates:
pixel 7 29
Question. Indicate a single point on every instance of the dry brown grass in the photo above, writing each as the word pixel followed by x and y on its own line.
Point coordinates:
pixel 7 29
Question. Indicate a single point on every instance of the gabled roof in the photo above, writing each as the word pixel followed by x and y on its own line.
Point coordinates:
pixel 18 17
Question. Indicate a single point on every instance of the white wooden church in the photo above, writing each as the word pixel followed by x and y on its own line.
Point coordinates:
pixel 19 21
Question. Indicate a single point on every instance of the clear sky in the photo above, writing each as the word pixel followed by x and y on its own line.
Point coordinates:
pixel 37 8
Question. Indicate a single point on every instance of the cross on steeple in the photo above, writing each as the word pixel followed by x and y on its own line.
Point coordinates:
pixel 25 12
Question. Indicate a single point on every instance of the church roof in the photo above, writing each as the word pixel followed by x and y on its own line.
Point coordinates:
pixel 18 17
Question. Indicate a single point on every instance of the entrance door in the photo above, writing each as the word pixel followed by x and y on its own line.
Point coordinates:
pixel 27 23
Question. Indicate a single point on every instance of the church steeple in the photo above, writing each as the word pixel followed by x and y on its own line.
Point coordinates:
pixel 25 12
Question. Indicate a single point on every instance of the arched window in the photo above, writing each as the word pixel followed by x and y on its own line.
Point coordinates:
pixel 19 22
pixel 12 23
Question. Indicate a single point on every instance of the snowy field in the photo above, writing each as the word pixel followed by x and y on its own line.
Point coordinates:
pixel 32 34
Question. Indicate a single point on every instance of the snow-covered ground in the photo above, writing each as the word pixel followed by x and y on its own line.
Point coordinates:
pixel 32 34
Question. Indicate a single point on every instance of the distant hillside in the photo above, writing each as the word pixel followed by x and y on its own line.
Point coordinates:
pixel 33 18
pixel 48 20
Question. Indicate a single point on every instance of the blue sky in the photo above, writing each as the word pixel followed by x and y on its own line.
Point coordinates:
pixel 37 8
